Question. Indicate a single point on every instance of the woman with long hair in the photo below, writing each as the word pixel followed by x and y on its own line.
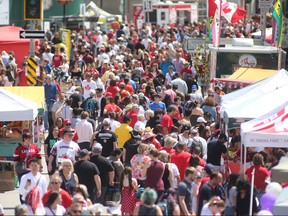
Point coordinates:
pixel 59 122
pixel 53 205
pixel 231 194
pixel 128 187
pixel 49 142
pixel 69 178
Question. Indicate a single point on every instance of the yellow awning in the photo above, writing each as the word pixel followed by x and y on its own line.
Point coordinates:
pixel 251 74
pixel 32 93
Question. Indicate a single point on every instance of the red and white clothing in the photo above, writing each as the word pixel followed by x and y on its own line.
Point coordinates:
pixel 57 60
pixel 167 122
pixel 261 173
pixel 62 150
pixel 87 86
pixel 21 151
pixel 112 108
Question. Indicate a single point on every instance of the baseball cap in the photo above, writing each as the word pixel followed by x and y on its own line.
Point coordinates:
pixel 26 135
pixel 106 121
pixel 201 119
pixel 67 121
pixel 141 95
pixel 135 106
pixel 135 96
pixel 186 127
pixel 83 153
pixel 158 88
pixel 209 168
pixel 97 147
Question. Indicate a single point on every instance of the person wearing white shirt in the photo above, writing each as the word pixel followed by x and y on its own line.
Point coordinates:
pixel 32 179
pixel 88 85
pixel 139 125
pixel 84 130
pixel 113 123
pixel 182 86
pixel 53 205
pixel 145 41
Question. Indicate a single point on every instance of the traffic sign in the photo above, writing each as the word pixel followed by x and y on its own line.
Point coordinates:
pixel 265 4
pixel 32 34
pixel 148 5
pixel 31 71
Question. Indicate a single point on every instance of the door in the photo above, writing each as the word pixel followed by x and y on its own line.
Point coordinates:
pixel 162 17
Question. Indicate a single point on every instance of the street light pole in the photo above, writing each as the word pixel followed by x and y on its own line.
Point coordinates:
pixel 64 14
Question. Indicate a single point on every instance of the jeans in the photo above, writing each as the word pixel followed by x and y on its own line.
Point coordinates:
pixel 48 120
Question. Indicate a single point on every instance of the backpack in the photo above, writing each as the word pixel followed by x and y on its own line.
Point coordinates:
pixel 163 204
pixel 188 105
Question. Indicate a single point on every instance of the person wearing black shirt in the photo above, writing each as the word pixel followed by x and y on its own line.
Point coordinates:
pixel 215 149
pixel 130 147
pixel 106 171
pixel 88 174
pixel 77 98
pixel 106 138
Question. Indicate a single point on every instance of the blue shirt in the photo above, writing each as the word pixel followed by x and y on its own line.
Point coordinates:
pixel 164 66
pixel 132 82
pixel 51 91
pixel 160 105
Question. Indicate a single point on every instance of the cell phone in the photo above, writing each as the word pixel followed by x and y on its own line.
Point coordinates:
pixel 29 180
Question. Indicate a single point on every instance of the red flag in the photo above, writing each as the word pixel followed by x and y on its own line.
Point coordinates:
pixel 232 12
pixel 212 6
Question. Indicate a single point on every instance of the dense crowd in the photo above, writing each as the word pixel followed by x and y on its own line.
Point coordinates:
pixel 128 122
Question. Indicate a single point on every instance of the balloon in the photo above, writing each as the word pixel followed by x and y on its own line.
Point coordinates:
pixel 264 213
pixel 274 188
pixel 267 201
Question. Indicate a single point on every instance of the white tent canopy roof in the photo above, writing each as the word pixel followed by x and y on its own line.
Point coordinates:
pixel 269 130
pixel 256 99
pixel 16 108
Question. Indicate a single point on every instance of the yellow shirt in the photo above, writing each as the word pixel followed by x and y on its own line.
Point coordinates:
pixel 123 134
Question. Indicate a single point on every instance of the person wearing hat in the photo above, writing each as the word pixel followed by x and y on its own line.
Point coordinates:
pixel 106 138
pixel 63 149
pixel 88 84
pixel 90 104
pixel 68 126
pixel 23 154
pixel 88 174
pixel 157 103
pixel 184 136
pixel 182 86
pixel 106 171
pixel 131 145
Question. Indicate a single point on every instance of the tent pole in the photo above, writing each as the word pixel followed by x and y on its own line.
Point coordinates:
pixel 252 191
pixel 244 162
pixel 33 131
pixel 241 157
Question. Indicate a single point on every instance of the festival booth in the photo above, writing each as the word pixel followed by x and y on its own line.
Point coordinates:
pixel 10 41
pixel 244 77
pixel 16 113
pixel 280 172
pixel 254 100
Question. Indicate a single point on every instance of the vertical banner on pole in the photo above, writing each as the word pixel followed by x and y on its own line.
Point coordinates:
pixel 31 71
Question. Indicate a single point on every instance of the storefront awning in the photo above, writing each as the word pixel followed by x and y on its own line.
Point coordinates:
pixel 244 76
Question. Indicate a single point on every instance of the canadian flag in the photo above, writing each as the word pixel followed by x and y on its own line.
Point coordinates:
pixel 231 11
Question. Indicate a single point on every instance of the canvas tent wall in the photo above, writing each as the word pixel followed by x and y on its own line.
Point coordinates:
pixel 15 108
pixel 279 173
pixel 255 100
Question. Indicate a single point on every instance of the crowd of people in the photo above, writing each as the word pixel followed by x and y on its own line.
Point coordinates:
pixel 131 121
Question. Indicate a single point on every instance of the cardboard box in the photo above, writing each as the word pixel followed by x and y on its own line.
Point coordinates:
pixel 7 180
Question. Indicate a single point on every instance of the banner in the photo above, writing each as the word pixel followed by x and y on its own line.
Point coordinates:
pixel 277 12
pixel 66 40
pixel 4 12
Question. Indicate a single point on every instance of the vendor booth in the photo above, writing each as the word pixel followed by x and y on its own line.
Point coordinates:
pixel 254 100
pixel 244 77
pixel 280 172
pixel 269 130
pixel 16 114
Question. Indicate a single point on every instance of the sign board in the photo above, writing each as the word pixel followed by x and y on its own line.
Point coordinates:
pixel 4 12
pixel 192 43
pixel 148 5
pixel 31 71
pixel 82 9
pixel 32 34
pixel 265 4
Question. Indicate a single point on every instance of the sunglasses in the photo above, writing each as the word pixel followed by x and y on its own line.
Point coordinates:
pixel 55 182
pixel 76 211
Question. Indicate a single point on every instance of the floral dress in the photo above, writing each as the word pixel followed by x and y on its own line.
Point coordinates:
pixel 138 163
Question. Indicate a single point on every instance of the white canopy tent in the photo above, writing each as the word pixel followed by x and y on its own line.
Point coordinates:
pixel 269 130
pixel 255 100
pixel 16 108
pixel 279 173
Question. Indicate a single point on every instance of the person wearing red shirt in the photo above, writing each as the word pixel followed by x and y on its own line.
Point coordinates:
pixel 113 88
pixel 87 58
pixel 67 126
pixel 111 107
pixel 57 59
pixel 186 70
pixel 166 121
pixel 22 75
pixel 123 93
pixel 128 86
pixel 134 114
pixel 180 158
pixel 261 173
pixel 55 183
pixel 25 152
pixel 147 75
